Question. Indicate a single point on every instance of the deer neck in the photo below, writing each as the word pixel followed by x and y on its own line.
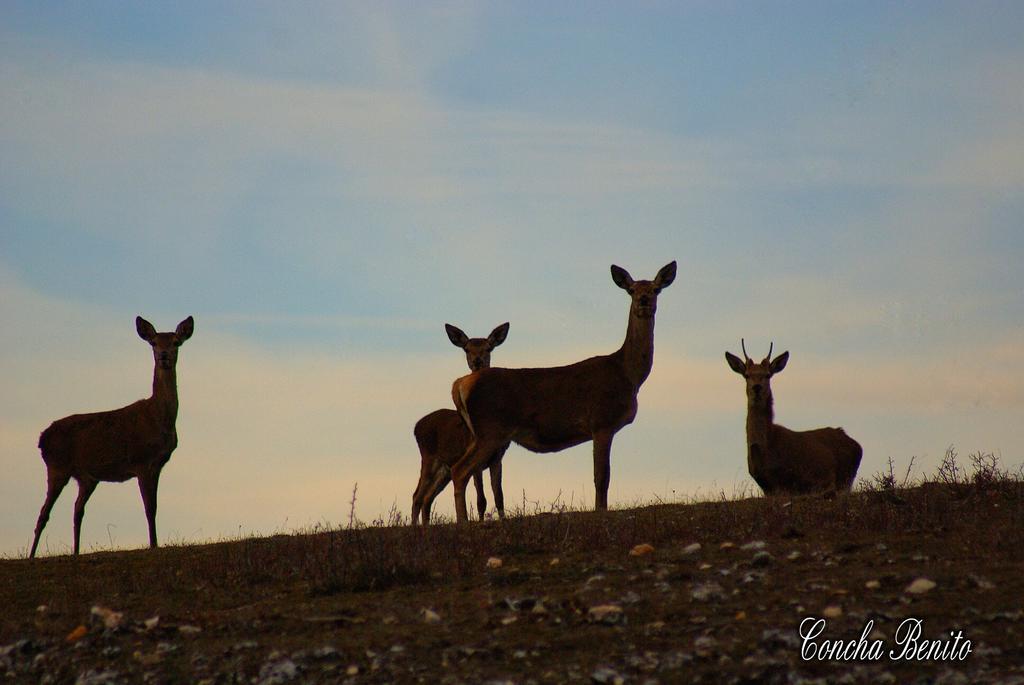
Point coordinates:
pixel 759 422
pixel 637 351
pixel 165 394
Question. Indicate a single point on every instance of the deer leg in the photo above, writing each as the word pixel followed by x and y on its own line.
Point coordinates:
pixel 54 486
pixel 147 486
pixel 471 462
pixel 415 516
pixel 499 496
pixel 420 494
pixel 425 511
pixel 460 471
pixel 461 516
pixel 602 468
pixel 85 488
pixel 481 498
pixel 441 478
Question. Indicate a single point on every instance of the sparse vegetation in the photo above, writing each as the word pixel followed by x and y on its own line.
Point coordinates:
pixel 390 602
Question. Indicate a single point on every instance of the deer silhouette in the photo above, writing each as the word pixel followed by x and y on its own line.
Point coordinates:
pixel 114 446
pixel 551 409
pixel 442 437
pixel 783 460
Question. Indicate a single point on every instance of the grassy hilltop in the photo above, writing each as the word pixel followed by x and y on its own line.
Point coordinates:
pixel 715 592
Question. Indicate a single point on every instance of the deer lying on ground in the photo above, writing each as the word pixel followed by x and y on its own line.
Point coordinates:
pixel 114 446
pixel 551 409
pixel 783 460
pixel 442 437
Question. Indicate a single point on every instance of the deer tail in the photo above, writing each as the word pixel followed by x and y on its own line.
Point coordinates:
pixel 460 393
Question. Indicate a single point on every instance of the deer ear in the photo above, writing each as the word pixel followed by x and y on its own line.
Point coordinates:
pixel 498 335
pixel 665 276
pixel 779 363
pixel 455 334
pixel 184 330
pixel 144 329
pixel 736 364
pixel 621 277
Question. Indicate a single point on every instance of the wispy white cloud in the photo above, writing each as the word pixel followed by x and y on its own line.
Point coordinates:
pixel 134 122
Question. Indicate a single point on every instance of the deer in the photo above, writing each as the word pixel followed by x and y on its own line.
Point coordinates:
pixel 551 409
pixel 781 460
pixel 442 437
pixel 114 446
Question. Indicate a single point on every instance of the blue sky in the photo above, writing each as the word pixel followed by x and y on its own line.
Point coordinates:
pixel 324 185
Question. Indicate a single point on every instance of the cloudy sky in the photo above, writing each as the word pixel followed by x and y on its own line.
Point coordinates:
pixel 324 185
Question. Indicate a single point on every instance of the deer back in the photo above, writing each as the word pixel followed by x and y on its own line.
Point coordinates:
pixel 109 445
pixel 443 434
pixel 548 409
pixel 806 461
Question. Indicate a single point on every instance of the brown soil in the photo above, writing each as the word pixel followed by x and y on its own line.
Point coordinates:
pixel 568 602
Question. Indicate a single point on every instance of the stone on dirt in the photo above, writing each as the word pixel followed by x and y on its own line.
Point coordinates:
pixel 277 672
pixel 110 619
pixel 920 586
pixel 608 614
pixel 704 592
pixel 603 674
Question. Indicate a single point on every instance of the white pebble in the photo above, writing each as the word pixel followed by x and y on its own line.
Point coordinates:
pixel 920 586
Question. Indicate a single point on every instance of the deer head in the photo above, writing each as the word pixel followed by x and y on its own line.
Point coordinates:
pixel 165 345
pixel 478 350
pixel 644 293
pixel 757 375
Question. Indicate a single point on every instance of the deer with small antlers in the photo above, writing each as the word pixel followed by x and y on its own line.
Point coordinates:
pixel 442 437
pixel 551 409
pixel 781 460
pixel 114 446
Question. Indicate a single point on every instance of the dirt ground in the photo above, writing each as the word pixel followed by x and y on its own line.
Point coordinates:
pixel 709 592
